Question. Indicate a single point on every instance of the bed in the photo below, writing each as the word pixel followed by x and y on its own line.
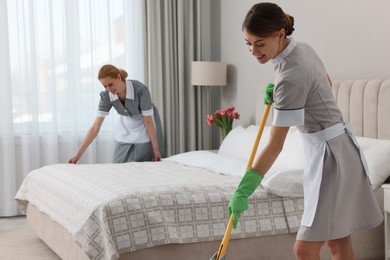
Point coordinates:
pixel 176 209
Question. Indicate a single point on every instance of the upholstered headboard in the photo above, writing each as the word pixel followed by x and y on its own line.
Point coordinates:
pixel 365 104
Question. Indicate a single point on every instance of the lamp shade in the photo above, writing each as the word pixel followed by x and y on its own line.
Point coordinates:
pixel 208 73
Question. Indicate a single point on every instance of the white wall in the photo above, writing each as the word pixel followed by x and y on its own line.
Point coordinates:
pixel 351 36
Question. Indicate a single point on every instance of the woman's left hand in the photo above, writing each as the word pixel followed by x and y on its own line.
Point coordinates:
pixel 157 156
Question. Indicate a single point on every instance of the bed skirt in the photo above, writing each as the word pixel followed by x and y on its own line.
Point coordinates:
pixel 366 244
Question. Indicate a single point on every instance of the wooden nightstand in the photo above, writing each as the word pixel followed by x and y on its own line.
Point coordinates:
pixel 386 208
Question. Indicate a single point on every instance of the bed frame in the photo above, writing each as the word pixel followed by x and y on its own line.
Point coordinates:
pixel 364 103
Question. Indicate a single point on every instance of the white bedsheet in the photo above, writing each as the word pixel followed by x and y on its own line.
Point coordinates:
pixel 211 161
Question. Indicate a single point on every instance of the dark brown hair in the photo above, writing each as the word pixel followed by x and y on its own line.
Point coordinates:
pixel 264 19
pixel 111 71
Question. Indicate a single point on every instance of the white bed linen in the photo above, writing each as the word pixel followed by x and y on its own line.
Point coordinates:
pixel 110 209
pixel 211 161
pixel 283 181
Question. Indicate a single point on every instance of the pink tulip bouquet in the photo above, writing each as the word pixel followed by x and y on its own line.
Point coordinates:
pixel 223 119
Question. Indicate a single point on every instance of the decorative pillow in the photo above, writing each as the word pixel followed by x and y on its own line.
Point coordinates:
pixel 377 153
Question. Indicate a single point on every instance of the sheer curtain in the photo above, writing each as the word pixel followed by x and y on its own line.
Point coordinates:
pixel 51 52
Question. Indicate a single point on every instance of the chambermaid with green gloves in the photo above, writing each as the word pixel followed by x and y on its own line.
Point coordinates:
pixel 338 198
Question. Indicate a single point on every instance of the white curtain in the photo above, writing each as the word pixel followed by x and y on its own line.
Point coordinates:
pixel 51 51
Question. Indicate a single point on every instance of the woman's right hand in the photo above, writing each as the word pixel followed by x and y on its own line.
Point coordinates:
pixel 268 94
pixel 92 133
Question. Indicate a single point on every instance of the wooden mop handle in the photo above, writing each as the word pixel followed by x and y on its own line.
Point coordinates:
pixel 258 136
pixel 225 240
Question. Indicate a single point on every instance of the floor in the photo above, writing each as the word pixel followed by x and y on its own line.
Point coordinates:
pixel 12 222
pixel 18 242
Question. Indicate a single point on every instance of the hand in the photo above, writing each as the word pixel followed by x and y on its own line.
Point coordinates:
pixel 74 159
pixel 156 156
pixel 268 94
pixel 239 201
pixel 237 204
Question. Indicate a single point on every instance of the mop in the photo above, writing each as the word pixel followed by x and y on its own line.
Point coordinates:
pixel 220 254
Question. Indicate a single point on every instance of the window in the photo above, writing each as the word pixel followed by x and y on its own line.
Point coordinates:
pixel 55 51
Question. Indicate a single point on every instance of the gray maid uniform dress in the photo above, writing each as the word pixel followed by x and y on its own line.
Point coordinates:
pixel 132 140
pixel 338 198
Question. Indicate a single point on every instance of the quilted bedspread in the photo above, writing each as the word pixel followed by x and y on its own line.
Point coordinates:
pixel 110 209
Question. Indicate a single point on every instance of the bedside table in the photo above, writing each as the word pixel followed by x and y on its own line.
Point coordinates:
pixel 386 208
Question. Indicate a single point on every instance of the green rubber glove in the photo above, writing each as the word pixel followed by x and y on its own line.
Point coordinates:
pixel 239 201
pixel 268 92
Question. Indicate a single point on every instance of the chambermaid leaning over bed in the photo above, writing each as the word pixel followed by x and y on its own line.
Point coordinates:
pixel 139 136
pixel 338 198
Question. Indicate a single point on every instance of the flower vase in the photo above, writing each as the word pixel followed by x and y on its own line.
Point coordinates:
pixel 223 119
pixel 225 131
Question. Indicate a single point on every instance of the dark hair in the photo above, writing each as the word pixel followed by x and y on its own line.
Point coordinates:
pixel 111 71
pixel 264 19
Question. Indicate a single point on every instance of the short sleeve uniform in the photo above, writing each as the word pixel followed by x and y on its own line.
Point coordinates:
pixel 303 98
pixel 133 142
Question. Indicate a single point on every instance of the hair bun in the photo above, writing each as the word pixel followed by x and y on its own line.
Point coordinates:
pixel 289 24
pixel 123 73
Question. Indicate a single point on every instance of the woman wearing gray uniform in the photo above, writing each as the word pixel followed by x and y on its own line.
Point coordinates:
pixel 337 192
pixel 139 135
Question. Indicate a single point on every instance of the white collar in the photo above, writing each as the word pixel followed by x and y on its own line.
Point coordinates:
pixel 129 91
pixel 291 45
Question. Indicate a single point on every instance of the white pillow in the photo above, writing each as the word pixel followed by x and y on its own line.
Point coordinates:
pixel 239 142
pixel 292 156
pixel 377 153
pixel 287 183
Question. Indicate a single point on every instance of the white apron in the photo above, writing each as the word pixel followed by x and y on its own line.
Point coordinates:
pixel 132 130
pixel 314 145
